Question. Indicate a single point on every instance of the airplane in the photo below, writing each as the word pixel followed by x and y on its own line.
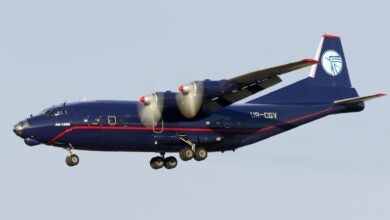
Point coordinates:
pixel 202 116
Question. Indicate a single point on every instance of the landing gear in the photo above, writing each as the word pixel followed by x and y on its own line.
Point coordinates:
pixel 200 154
pixel 170 162
pixel 186 154
pixel 161 161
pixel 157 162
pixel 72 159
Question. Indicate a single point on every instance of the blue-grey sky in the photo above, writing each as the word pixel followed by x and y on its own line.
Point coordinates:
pixel 56 51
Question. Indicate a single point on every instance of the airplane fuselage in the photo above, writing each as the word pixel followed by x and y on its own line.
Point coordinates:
pixel 115 126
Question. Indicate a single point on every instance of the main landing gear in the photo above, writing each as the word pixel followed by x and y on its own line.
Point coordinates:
pixel 186 154
pixel 161 161
pixel 72 159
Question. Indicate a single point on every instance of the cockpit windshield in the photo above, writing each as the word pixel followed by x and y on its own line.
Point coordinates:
pixel 53 112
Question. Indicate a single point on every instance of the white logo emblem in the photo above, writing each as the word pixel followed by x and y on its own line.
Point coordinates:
pixel 332 62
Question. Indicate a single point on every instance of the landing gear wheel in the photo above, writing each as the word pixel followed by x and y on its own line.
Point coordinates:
pixel 72 160
pixel 157 162
pixel 200 153
pixel 170 162
pixel 186 154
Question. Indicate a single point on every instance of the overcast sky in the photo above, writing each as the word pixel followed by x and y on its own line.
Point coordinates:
pixel 56 51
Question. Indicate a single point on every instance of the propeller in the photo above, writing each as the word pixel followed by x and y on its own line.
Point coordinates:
pixel 189 99
pixel 150 109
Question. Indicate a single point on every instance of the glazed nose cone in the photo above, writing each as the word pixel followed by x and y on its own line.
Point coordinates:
pixel 19 127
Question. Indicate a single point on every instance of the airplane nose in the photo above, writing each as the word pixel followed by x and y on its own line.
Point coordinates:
pixel 19 127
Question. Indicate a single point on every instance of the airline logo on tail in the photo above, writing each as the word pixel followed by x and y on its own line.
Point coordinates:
pixel 332 62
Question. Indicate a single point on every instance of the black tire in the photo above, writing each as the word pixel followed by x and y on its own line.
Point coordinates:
pixel 157 162
pixel 170 162
pixel 72 160
pixel 186 154
pixel 200 154
pixel 67 161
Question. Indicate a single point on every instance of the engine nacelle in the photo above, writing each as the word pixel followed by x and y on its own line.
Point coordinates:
pixel 188 101
pixel 150 109
pixel 191 96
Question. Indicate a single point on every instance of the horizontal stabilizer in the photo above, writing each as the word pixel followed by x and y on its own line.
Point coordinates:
pixel 355 100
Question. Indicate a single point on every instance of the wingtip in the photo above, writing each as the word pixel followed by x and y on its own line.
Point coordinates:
pixel 310 61
pixel 381 94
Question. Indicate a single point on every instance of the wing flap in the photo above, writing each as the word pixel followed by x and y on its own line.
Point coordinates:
pixel 236 95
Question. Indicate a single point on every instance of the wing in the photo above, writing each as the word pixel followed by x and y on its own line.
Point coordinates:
pixel 210 96
pixel 245 85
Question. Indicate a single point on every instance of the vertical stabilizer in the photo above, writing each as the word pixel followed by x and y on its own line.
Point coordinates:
pixel 332 68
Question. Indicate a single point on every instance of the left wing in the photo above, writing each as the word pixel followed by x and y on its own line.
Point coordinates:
pixel 210 96
pixel 245 85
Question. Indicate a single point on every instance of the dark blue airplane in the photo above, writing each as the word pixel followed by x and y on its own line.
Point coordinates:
pixel 201 117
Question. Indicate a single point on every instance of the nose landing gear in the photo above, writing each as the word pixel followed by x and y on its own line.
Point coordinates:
pixel 72 159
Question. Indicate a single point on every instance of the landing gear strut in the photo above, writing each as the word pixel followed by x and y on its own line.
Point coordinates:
pixel 161 161
pixel 72 159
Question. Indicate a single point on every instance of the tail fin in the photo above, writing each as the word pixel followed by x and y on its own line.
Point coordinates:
pixel 332 69
pixel 328 80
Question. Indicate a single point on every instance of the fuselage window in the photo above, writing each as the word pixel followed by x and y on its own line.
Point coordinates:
pixel 96 121
pixel 227 123
pixel 86 119
pixel 124 119
pixel 111 120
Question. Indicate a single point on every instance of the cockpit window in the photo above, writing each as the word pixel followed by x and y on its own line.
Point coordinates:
pixel 55 112
pixel 59 112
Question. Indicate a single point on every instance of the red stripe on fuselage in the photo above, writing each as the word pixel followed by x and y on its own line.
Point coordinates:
pixel 147 129
pixel 187 129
